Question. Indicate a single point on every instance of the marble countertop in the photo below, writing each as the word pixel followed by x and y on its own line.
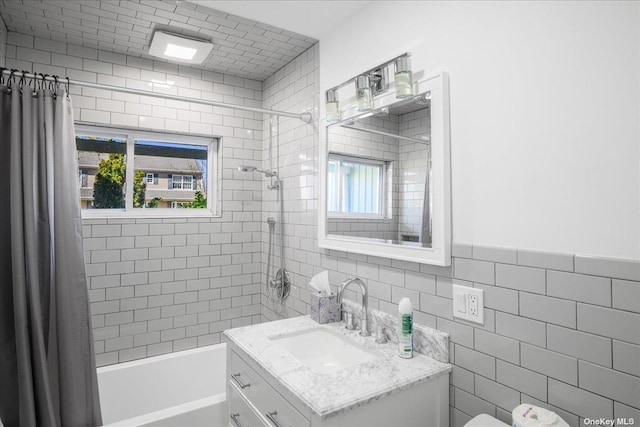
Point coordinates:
pixel 328 394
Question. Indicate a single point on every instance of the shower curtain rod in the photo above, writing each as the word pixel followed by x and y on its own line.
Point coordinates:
pixel 305 117
pixel 377 132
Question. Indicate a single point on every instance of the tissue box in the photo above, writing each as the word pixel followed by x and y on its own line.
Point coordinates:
pixel 325 309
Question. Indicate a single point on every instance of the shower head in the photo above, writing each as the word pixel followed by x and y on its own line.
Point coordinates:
pixel 255 169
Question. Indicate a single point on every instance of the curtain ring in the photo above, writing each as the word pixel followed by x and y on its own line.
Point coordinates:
pixel 55 85
pixel 68 92
pixel 12 75
pixel 2 75
pixel 21 82
pixel 40 81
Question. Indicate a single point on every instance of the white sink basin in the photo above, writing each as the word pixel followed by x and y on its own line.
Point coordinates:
pixel 323 351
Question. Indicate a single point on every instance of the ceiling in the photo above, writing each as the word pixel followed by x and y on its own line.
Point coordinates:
pixel 311 17
pixel 242 47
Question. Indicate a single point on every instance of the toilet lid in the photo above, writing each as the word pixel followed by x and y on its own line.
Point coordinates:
pixel 484 420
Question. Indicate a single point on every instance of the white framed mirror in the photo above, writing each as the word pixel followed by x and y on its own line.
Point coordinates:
pixel 385 186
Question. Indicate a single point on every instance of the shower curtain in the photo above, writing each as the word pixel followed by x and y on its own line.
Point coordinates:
pixel 47 365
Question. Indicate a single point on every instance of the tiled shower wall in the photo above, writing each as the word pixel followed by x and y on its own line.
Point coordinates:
pixel 413 156
pixel 561 331
pixel 162 285
pixel 292 88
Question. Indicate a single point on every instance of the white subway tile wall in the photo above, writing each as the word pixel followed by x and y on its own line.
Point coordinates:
pixel 163 285
pixel 563 337
pixel 413 157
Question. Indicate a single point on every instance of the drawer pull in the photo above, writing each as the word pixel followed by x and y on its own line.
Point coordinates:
pixel 234 417
pixel 240 383
pixel 271 417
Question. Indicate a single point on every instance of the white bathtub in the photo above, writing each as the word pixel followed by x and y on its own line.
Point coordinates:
pixel 185 388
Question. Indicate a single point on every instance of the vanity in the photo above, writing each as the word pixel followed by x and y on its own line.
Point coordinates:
pixel 298 373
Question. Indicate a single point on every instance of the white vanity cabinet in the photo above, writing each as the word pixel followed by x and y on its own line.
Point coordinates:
pixel 252 400
pixel 257 398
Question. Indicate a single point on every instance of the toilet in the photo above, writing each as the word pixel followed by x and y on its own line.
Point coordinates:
pixel 524 415
pixel 484 420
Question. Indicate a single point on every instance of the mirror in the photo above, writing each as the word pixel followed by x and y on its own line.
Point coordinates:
pixel 378 174
pixel 385 180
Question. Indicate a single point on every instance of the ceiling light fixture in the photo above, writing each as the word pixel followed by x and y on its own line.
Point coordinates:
pixel 179 48
pixel 180 52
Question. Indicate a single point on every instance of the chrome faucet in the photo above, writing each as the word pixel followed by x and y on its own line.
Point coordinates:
pixel 365 301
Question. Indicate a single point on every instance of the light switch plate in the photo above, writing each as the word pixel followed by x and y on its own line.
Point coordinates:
pixel 468 304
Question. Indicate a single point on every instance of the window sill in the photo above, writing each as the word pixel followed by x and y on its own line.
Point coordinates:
pixel 357 216
pixel 148 213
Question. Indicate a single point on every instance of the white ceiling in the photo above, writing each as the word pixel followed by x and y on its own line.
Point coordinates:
pixel 312 18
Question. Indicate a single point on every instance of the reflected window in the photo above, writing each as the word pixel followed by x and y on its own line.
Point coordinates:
pixel 355 186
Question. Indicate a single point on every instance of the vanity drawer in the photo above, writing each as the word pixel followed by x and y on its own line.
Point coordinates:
pixel 264 398
pixel 240 413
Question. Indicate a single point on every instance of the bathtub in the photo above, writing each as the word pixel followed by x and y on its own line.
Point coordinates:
pixel 185 388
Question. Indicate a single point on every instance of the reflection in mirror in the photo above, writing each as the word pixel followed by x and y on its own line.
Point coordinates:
pixel 379 175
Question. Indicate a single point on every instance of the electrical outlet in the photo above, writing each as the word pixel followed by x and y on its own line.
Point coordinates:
pixel 473 305
pixel 468 304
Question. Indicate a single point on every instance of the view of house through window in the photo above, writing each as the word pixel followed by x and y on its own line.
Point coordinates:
pixel 129 170
pixel 101 170
pixel 355 186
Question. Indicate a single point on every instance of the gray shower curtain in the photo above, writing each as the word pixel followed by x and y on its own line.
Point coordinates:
pixel 47 365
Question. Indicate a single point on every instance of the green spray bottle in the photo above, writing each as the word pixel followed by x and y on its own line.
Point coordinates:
pixel 405 337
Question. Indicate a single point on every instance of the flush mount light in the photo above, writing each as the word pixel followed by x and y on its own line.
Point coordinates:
pixel 179 48
pixel 180 52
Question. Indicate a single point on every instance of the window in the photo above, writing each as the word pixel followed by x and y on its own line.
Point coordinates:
pixel 355 186
pixel 145 173
pixel 182 182
pixel 82 178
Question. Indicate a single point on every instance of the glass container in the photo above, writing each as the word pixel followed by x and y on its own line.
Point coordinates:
pixel 363 93
pixel 332 106
pixel 403 77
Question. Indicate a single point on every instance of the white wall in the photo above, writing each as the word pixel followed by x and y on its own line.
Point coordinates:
pixel 544 113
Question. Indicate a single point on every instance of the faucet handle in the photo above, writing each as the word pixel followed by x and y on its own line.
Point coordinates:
pixel 350 326
pixel 381 338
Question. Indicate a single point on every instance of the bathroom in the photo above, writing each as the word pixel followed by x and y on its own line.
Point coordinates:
pixel 540 114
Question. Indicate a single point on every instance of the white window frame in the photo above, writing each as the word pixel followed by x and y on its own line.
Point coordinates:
pixel 149 178
pixel 384 165
pixel 133 135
